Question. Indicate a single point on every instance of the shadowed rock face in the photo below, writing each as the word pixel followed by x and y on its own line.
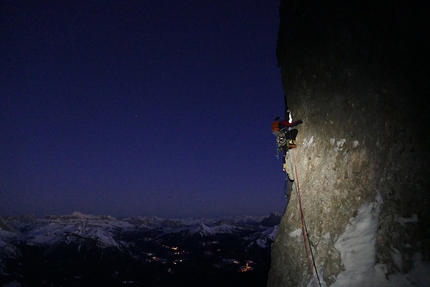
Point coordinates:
pixel 356 73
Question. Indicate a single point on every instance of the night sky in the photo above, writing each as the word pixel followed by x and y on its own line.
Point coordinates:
pixel 151 108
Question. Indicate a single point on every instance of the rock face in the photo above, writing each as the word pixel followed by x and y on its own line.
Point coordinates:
pixel 356 73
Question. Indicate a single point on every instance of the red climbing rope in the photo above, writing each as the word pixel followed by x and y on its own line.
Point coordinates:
pixel 309 254
pixel 302 216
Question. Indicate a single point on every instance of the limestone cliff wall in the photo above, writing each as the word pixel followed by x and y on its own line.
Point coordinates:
pixel 356 73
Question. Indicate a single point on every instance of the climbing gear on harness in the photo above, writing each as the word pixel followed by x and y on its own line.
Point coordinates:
pixel 281 138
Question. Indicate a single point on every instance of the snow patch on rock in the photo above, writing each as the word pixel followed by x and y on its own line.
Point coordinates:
pixel 308 143
pixel 357 247
pixel 295 233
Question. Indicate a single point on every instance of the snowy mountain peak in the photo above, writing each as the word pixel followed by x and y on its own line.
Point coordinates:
pixel 5 226
pixel 202 229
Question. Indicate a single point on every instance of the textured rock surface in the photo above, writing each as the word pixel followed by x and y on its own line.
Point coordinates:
pixel 356 73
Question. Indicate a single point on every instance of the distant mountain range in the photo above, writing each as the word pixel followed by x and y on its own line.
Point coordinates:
pixel 92 250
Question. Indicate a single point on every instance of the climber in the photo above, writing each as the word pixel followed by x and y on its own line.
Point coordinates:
pixel 285 136
pixel 283 133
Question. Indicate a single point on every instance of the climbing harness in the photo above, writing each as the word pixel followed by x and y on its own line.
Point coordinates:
pixel 281 138
pixel 306 240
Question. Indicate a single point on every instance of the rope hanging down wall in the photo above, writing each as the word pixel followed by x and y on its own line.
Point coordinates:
pixel 308 247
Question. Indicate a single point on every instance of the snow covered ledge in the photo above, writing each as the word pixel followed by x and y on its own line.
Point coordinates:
pixel 357 248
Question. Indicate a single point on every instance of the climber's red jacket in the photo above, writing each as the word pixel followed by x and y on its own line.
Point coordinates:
pixel 276 126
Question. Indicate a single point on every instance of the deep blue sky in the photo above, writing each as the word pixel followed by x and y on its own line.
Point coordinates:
pixel 139 108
